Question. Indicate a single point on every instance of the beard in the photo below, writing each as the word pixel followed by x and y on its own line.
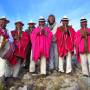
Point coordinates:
pixel 51 23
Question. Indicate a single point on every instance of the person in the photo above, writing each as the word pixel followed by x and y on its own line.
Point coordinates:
pixel 31 25
pixel 53 59
pixel 65 43
pixel 41 40
pixel 4 45
pixel 20 42
pixel 82 44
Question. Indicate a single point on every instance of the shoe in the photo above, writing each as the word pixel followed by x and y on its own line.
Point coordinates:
pixel 67 72
pixel 62 71
pixel 42 75
pixel 86 75
pixel 32 73
pixel 51 70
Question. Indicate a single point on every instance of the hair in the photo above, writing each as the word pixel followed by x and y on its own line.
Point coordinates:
pixel 51 15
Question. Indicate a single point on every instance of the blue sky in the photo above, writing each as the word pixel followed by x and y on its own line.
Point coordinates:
pixel 26 10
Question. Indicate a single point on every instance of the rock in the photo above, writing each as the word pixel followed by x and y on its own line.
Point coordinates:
pixel 70 86
pixel 84 83
pixel 27 76
pixel 54 81
pixel 23 88
pixel 1 85
pixel 12 88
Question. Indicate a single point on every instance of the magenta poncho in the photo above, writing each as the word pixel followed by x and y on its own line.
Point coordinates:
pixel 40 43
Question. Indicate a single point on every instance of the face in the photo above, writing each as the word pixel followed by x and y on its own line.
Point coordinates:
pixel 83 24
pixel 4 23
pixel 1 23
pixel 42 23
pixel 19 26
pixel 65 22
pixel 51 20
pixel 31 25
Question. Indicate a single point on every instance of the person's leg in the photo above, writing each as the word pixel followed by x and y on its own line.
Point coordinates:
pixel 56 56
pixel 8 70
pixel 84 64
pixel 28 54
pixel 2 67
pixel 1 40
pixel 68 63
pixel 51 58
pixel 32 64
pixel 43 65
pixel 16 68
pixel 88 57
pixel 61 63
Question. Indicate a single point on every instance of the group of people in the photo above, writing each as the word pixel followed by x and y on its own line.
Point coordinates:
pixel 49 44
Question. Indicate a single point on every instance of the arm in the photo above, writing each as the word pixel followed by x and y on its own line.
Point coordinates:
pixel 1 40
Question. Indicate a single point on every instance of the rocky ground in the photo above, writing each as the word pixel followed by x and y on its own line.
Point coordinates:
pixel 54 81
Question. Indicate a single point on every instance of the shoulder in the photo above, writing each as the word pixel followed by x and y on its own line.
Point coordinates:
pixel 57 25
pixel 78 32
pixel 59 28
pixel 13 31
pixel 24 32
pixel 47 28
pixel 71 28
pixel 88 29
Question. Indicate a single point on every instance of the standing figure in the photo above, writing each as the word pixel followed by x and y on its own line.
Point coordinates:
pixel 53 59
pixel 20 41
pixel 41 40
pixel 65 43
pixel 4 45
pixel 82 42
pixel 31 25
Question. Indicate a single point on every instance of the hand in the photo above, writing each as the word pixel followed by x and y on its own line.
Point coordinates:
pixel 67 32
pixel 43 31
pixel 3 43
pixel 84 34
pixel 38 33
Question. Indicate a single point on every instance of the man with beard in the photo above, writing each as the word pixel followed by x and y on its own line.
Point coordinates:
pixel 82 42
pixel 41 40
pixel 53 59
pixel 20 41
pixel 65 43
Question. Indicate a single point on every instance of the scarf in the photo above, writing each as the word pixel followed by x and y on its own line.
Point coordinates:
pixel 52 26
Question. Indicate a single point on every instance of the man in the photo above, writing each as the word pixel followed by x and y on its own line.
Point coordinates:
pixel 53 59
pixel 28 50
pixel 20 41
pixel 41 40
pixel 3 45
pixel 65 43
pixel 82 42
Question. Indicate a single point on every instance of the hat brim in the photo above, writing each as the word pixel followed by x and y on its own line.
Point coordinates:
pixel 42 21
pixel 5 20
pixel 64 20
pixel 31 23
pixel 83 21
pixel 19 23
